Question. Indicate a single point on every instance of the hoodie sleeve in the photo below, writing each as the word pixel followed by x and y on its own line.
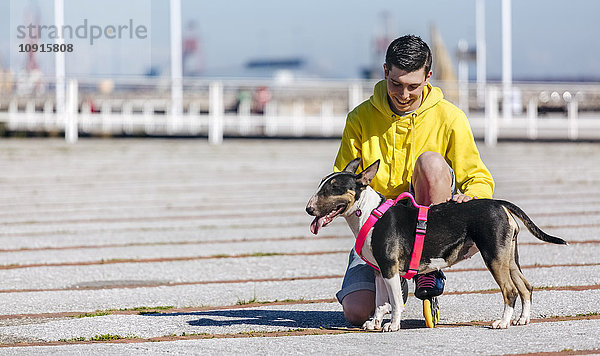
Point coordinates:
pixel 350 146
pixel 472 176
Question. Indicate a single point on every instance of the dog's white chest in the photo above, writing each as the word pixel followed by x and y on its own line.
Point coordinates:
pixel 367 252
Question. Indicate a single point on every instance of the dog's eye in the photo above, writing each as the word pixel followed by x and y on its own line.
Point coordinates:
pixel 340 191
pixel 337 190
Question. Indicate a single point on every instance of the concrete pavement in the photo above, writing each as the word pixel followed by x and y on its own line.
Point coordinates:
pixel 129 242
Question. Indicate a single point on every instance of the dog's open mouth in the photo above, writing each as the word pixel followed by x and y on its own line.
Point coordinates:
pixel 319 222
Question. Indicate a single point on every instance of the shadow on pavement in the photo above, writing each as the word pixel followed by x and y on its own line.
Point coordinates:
pixel 285 318
pixel 282 318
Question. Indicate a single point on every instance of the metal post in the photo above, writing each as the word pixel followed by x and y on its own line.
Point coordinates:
pixel 59 65
pixel 215 113
pixel 326 118
pixel 298 118
pixel 48 115
pixel 13 114
pixel 506 60
pixel 148 112
pixel 85 116
pixel 72 102
pixel 244 119
pixel 573 114
pixel 481 51
pixel 354 96
pixel 270 121
pixel 127 114
pixel 30 116
pixel 194 126
pixel 532 127
pixel 491 117
pixel 107 117
pixel 176 67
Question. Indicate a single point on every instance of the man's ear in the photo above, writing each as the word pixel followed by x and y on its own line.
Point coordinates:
pixel 365 177
pixel 427 77
pixel 352 166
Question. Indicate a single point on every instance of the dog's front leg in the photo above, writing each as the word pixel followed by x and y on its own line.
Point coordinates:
pixel 394 289
pixel 382 307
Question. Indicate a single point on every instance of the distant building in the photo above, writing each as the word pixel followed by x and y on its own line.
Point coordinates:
pixel 281 69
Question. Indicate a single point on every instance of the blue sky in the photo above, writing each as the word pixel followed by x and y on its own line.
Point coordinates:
pixel 551 38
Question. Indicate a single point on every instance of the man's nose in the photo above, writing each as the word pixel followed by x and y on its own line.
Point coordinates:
pixel 404 93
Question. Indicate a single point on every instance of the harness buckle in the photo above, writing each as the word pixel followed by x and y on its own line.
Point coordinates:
pixel 378 214
pixel 422 224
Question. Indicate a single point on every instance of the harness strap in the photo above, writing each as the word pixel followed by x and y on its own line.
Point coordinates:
pixel 377 213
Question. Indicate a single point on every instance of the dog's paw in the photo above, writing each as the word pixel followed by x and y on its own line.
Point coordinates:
pixel 500 324
pixel 391 326
pixel 372 324
pixel 383 309
pixel 521 321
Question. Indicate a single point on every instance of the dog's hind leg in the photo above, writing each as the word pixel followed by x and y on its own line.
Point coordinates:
pixel 382 305
pixel 516 275
pixel 498 257
pixel 523 287
pixel 499 266
pixel 502 276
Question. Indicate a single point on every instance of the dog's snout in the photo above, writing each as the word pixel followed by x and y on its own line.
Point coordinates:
pixel 310 206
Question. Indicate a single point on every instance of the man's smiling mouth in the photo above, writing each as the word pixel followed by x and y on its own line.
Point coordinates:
pixel 403 103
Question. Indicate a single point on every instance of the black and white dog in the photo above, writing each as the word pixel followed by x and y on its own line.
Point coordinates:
pixel 454 232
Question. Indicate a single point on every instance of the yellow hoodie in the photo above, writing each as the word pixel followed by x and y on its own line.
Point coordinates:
pixel 374 132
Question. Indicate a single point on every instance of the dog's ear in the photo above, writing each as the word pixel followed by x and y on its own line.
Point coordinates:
pixel 365 177
pixel 353 165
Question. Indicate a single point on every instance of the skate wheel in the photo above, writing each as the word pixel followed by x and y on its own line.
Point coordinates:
pixel 431 312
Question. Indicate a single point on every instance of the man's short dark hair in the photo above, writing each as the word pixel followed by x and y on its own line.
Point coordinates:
pixel 409 53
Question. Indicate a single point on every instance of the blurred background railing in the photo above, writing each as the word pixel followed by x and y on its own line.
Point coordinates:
pixel 271 108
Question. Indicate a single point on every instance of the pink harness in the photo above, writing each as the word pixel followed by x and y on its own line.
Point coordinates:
pixel 377 213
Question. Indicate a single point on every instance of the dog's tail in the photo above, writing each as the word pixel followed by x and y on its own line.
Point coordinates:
pixel 535 231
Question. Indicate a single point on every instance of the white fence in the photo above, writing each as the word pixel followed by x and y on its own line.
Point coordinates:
pixel 297 109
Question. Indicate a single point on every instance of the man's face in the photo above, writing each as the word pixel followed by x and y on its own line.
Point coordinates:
pixel 405 89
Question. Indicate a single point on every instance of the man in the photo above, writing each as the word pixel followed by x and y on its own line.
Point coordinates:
pixel 425 145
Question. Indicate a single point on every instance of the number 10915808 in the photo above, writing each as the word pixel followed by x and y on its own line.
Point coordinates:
pixel 45 47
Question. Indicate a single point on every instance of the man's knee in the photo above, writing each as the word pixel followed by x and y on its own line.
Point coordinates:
pixel 359 306
pixel 431 179
pixel 431 165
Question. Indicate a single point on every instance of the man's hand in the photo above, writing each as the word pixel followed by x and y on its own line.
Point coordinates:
pixel 460 198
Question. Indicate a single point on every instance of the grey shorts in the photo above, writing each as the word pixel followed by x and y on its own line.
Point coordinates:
pixel 359 275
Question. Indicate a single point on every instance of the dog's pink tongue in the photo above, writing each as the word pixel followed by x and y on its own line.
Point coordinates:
pixel 316 225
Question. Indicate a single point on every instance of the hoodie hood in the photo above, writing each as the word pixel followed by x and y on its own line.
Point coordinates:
pixel 431 96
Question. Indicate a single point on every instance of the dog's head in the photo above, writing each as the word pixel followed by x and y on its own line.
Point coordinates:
pixel 338 192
